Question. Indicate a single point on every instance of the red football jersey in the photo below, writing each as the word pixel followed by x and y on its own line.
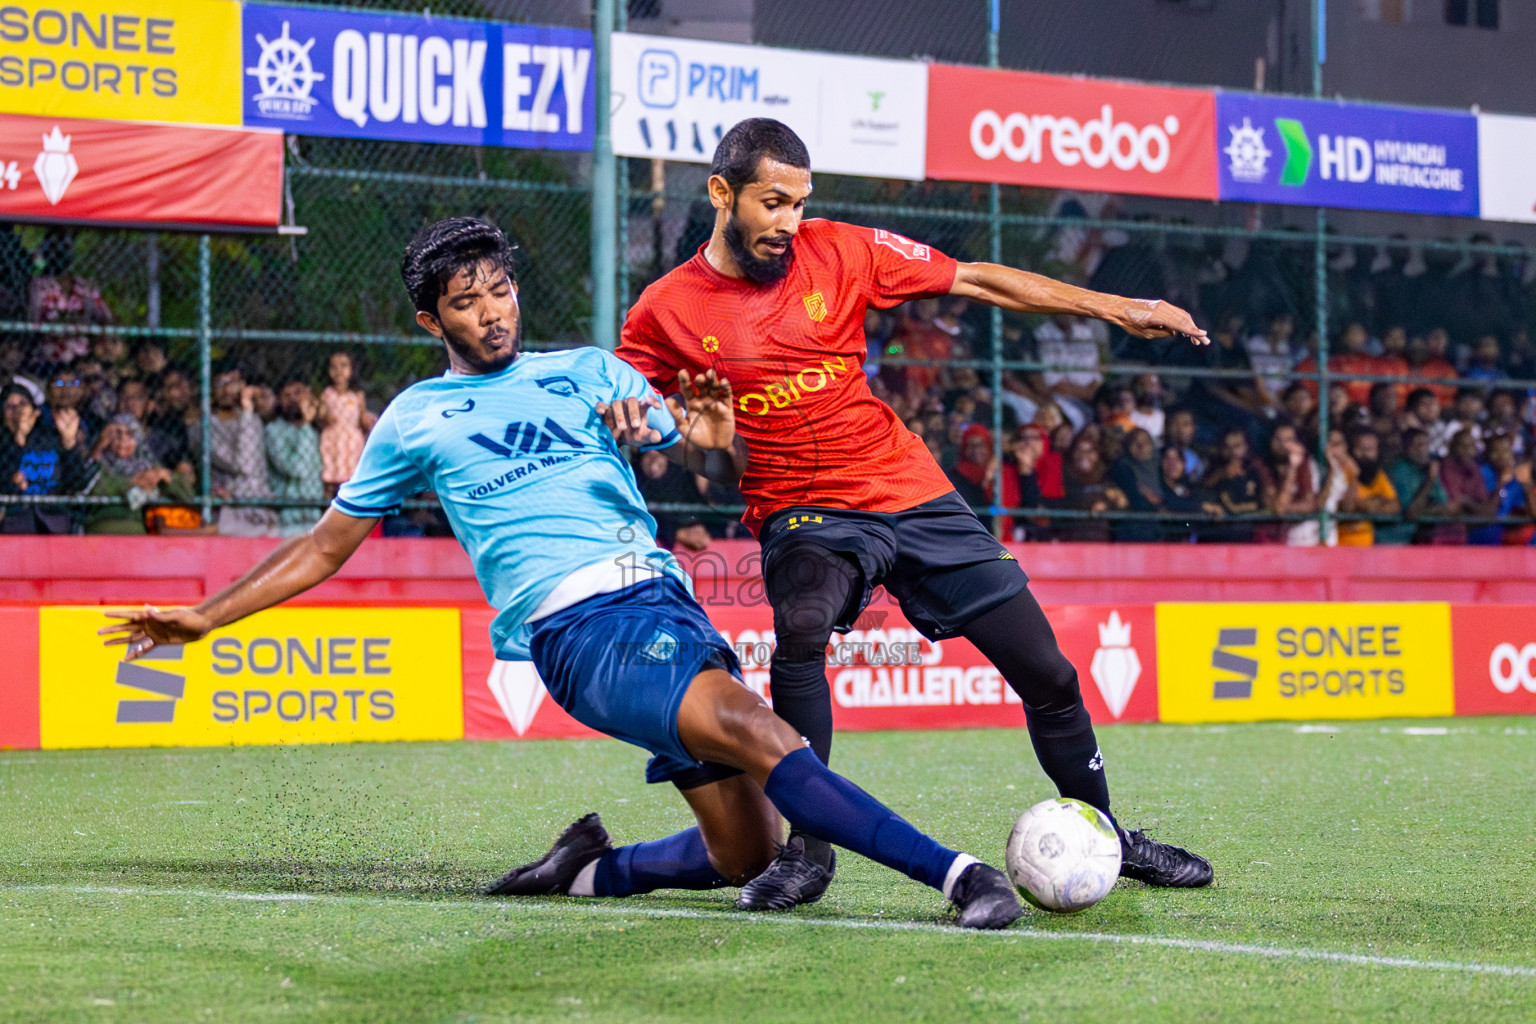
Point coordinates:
pixel 794 354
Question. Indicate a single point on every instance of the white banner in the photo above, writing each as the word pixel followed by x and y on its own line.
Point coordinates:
pixel 1506 157
pixel 674 98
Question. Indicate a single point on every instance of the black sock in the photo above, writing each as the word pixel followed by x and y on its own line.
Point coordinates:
pixel 802 698
pixel 1069 753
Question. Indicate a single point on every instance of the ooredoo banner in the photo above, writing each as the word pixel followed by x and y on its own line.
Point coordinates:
pixel 1495 649
pixel 417 79
pixel 1258 662
pixel 1506 157
pixel 289 675
pixel 1023 128
pixel 141 60
pixel 119 172
pixel 675 98
pixel 1279 149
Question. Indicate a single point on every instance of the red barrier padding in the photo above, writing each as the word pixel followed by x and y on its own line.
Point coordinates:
pixel 19 723
pixel 1493 651
pixel 110 570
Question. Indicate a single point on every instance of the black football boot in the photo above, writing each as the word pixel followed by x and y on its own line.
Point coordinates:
pixel 553 873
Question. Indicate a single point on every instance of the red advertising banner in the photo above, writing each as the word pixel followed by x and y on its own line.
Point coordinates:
pixel 115 172
pixel 1023 128
pixel 20 725
pixel 1493 651
pixel 883 674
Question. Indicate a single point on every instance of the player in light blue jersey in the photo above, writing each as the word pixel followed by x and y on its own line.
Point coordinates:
pixel 522 449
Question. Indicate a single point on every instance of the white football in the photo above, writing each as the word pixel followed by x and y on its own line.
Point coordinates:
pixel 1063 855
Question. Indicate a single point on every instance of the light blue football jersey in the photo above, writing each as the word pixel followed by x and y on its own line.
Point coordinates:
pixel 528 475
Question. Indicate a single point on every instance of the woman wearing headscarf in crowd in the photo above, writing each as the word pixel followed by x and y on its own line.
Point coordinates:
pixel 1297 490
pixel 972 468
pixel 1137 474
pixel 39 458
pixel 127 471
pixel 1089 489
pixel 1182 497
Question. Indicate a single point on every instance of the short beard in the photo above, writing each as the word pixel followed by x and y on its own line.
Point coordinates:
pixel 756 269
pixel 466 355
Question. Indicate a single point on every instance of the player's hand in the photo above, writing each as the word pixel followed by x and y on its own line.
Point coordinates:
pixel 626 420
pixel 143 629
pixel 1154 318
pixel 706 416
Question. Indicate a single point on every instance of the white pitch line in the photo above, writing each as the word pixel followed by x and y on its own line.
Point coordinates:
pixel 1164 941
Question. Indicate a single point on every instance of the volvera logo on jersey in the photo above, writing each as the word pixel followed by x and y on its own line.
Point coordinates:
pixel 534 442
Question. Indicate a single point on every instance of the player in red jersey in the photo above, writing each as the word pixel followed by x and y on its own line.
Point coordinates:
pixel 841 495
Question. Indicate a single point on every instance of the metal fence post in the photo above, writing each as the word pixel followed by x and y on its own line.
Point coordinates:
pixel 1320 278
pixel 995 254
pixel 621 24
pixel 205 369
pixel 604 185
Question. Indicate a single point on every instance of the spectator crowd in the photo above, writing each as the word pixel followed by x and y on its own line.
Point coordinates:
pixel 1428 438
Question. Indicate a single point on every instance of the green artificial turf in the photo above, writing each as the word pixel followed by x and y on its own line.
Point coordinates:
pixel 338 883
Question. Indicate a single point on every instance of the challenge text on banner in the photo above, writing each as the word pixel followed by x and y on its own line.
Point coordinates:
pixel 289 675
pixel 373 76
pixel 1258 662
pixel 125 173
pixel 1022 128
pixel 145 60
pixel 1318 153
pixel 674 98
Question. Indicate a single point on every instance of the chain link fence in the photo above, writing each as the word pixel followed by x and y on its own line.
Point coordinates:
pixel 136 347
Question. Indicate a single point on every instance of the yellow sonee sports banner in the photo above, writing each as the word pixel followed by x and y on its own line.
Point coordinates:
pixel 1256 662
pixel 137 60
pixel 290 675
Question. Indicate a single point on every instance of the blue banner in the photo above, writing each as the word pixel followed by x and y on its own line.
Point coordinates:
pixel 1319 153
pixel 409 79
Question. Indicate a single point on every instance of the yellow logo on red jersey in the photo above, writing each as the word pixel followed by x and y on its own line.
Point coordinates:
pixel 816 306
pixel 710 343
pixel 791 388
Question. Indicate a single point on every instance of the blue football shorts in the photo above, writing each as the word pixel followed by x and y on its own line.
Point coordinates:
pixel 620 663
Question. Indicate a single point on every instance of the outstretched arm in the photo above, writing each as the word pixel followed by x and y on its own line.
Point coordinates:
pixel 1023 292
pixel 706 421
pixel 294 567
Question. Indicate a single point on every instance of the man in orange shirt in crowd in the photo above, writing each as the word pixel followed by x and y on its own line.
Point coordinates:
pixel 1370 491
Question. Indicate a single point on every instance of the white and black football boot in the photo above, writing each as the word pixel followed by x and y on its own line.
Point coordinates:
pixel 552 874
pixel 985 898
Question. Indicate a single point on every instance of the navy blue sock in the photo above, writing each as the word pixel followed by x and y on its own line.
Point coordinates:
pixel 820 802
pixel 677 862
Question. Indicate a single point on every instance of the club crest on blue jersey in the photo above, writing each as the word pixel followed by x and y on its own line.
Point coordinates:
pixel 562 386
pixel 659 649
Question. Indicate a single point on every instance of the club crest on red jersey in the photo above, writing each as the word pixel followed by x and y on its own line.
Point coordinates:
pixel 815 306
pixel 908 248
pixel 710 343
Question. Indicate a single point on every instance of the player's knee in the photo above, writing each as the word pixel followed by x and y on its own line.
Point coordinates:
pixel 1051 687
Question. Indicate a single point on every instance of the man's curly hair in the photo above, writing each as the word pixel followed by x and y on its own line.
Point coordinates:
pixel 444 250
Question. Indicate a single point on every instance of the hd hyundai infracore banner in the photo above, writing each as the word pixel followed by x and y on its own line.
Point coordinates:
pixel 1277 149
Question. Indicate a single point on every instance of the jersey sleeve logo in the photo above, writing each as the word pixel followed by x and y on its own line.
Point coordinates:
pixel 909 249
pixel 815 306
